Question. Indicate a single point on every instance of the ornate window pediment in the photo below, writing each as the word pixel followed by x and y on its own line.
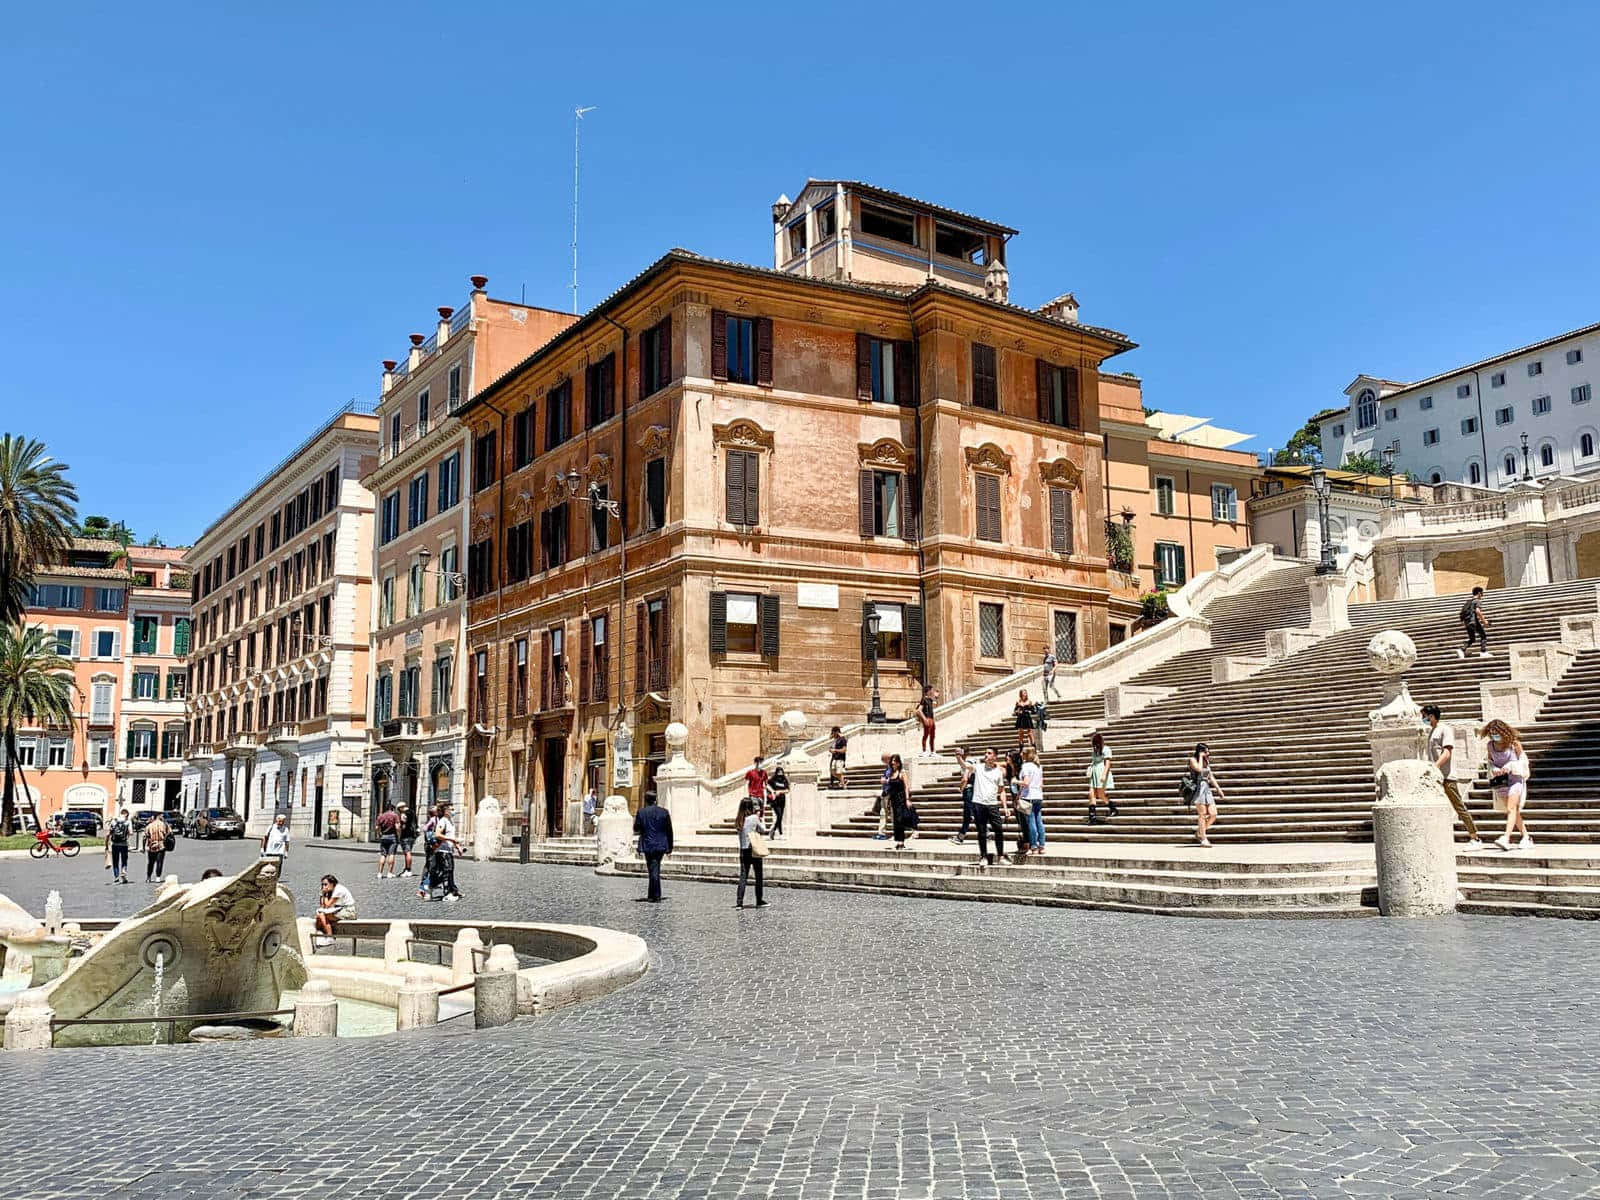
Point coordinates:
pixel 742 434
pixel 988 457
pixel 655 441
pixel 885 452
pixel 1061 471
pixel 599 468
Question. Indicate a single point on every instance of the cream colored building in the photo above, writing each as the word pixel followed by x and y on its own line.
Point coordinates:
pixel 153 734
pixel 280 597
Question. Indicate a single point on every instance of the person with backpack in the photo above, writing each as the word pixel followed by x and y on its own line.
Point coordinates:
pixel 1477 624
pixel 445 849
pixel 1206 791
pixel 408 836
pixel 429 833
pixel 117 843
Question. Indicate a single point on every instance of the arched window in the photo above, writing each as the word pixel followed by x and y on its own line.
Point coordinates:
pixel 1547 455
pixel 1586 445
pixel 1474 473
pixel 1366 409
pixel 1436 477
pixel 1510 464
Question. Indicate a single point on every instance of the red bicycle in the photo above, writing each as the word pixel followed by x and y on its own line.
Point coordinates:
pixel 43 847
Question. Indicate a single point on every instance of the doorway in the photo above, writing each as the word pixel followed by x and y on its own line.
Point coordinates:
pixel 172 794
pixel 743 740
pixel 555 769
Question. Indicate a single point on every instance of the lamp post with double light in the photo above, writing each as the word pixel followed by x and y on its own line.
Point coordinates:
pixel 1388 469
pixel 1527 471
pixel 875 714
pixel 1319 485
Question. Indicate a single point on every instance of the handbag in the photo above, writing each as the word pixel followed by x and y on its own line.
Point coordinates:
pixel 758 844
pixel 169 843
pixel 1500 781
pixel 911 820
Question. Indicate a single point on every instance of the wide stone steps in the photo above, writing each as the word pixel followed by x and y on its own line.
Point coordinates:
pixel 1526 884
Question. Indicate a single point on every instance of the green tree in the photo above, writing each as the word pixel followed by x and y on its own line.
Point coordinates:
pixel 1364 464
pixel 36 688
pixel 37 517
pixel 1304 447
pixel 95 527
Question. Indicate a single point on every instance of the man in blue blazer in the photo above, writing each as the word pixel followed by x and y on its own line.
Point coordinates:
pixel 653 824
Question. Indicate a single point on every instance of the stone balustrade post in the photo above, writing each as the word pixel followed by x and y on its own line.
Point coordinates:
pixel 679 786
pixel 28 1022
pixel 494 989
pixel 805 814
pixel 462 964
pixel 1413 833
pixel 1394 730
pixel 395 950
pixel 613 834
pixel 1330 608
pixel 417 1001
pixel 316 1012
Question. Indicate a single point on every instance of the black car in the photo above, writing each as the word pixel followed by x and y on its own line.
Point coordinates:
pixel 81 822
pixel 144 816
pixel 217 822
pixel 174 820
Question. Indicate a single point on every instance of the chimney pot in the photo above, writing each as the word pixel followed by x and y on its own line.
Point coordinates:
pixel 417 339
pixel 479 282
pixel 389 364
pixel 444 312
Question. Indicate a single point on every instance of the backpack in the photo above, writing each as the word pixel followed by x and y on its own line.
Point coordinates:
pixel 118 833
pixel 1469 612
pixel 1188 786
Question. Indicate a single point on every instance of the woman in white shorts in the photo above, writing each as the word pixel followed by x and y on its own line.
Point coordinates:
pixel 1206 794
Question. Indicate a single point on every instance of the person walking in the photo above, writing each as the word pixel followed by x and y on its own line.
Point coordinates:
pixel 445 848
pixel 988 782
pixel 837 751
pixel 1024 719
pixel 653 826
pixel 591 803
pixel 1442 754
pixel 408 836
pixel 334 905
pixel 967 768
pixel 1012 803
pixel 388 824
pixel 1509 770
pixel 778 792
pixel 755 781
pixel 1206 792
pixel 1048 676
pixel 276 842
pixel 881 808
pixel 1032 800
pixel 925 707
pixel 1100 781
pixel 1477 624
pixel 157 835
pixel 117 843
pixel 898 800
pixel 753 831
pixel 429 830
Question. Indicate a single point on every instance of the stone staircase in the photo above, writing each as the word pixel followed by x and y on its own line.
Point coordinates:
pixel 1530 884
pixel 1289 744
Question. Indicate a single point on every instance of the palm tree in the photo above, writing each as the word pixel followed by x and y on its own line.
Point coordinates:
pixel 36 687
pixel 37 516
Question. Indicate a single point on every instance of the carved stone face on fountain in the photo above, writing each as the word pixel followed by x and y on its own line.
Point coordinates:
pixel 1391 653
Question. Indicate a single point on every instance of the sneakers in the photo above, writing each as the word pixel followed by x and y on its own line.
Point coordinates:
pixel 405 874
pixel 1526 843
pixel 452 899
pixel 1111 809
pixel 1503 842
pixel 322 943
pixel 1473 846
pixel 959 840
pixel 1461 654
pixel 1483 654
pixel 880 837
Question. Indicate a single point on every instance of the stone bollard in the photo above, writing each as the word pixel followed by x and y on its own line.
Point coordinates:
pixel 1394 730
pixel 316 1012
pixel 305 929
pixel 1413 834
pixel 395 950
pixel 487 825
pixel 463 964
pixel 494 989
pixel 613 834
pixel 28 1022
pixel 417 1001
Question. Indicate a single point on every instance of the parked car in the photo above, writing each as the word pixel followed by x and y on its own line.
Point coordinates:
pixel 143 817
pixel 81 822
pixel 218 822
pixel 174 819
pixel 191 822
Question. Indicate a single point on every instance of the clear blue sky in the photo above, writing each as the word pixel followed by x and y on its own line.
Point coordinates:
pixel 216 220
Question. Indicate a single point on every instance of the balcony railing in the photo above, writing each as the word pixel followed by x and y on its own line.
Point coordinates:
pixel 200 752
pixel 283 738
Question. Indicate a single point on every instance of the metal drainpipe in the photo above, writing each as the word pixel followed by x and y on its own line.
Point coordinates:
pixel 500 571
pixel 622 515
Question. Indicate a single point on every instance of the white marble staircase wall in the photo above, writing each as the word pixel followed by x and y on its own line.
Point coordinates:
pixel 1536 669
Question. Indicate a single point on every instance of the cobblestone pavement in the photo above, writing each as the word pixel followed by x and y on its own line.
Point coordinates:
pixel 861 1046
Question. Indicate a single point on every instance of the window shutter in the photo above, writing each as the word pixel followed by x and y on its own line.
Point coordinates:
pixel 638 649
pixel 1060 520
pixel 764 351
pixel 1069 386
pixel 547 685
pixel 733 468
pixel 752 489
pixel 602 662
pixel 769 625
pixel 911 506
pixel 867 503
pixel 130 743
pixel 863 367
pixel 664 352
pixel 916 641
pixel 663 651
pixel 905 374
pixel 511 680
pixel 585 652
pixel 719 622
pixel 867 648
pixel 985 392
pixel 719 344
pixel 1041 383
pixel 987 492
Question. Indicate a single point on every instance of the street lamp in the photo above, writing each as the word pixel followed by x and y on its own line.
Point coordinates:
pixel 1527 473
pixel 456 580
pixel 875 714
pixel 1319 484
pixel 1388 469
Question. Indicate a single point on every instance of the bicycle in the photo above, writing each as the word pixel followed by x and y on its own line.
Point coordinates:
pixel 43 847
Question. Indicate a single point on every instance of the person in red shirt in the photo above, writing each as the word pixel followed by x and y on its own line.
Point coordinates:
pixel 755 781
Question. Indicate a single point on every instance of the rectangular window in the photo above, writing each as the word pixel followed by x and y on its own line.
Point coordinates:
pixel 986 507
pixel 889 378
pixel 741 366
pixel 596 671
pixel 655 494
pixel 422 412
pixel 449 564
pixel 1541 405
pixel 880 493
pixel 386 601
pixel 145 630
pixel 59 753
pixel 524 431
pixel 172 741
pixel 991 631
pixel 1463 391
pixel 599 519
pixel 145 684
pixel 1338 431
pixel 1166 496
pixel 106 643
pixel 553 675
pixel 891 630
pixel 414 590
pixel 383 696
pixel 1430 437
pixel 449 487
pixel 1580 394
pixel 441 684
pixel 1171 570
pixel 600 391
pixel 410 687
pixel 1574 357
pixel 655 358
pixel 985 377
pixel 553 536
pixel 141 743
pixel 67 642
pixel 654 634
pixel 557 415
pixel 1391 414
pixel 888 224
pixel 1504 416
pixel 1469 425
pixel 178 681
pixel 1058 394
pixel 797 237
pixel 741 348
pixel 1066 636
pixel 827 221
pixel 742 487
pixel 56 595
pixel 416 503
pixel 1425 403
pixel 454 395
pixel 1061 539
pixel 519 552
pixel 519 676
pixel 1498 379
pixel 1535 368
pixel 389 520
pixel 1224 503
pixel 100 699
pixel 480 569
pixel 485 467
pixel 969 247
pixel 744 623
pixel 108 599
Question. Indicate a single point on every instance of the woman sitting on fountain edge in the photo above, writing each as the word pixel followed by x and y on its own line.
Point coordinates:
pixel 336 904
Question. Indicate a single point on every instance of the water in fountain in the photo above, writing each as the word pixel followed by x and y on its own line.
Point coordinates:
pixel 155 998
pixel 52 913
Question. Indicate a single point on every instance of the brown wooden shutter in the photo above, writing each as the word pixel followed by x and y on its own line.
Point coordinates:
pixel 752 488
pixel 545 681
pixel 639 630
pixel 664 352
pixel 1060 520
pixel 987 489
pixel 602 663
pixel 664 650
pixel 1041 383
pixel 733 471
pixel 905 374
pixel 863 367
pixel 719 344
pixel 867 608
pixel 719 622
pixel 764 351
pixel 769 625
pixel 985 389
pixel 511 678
pixel 916 639
pixel 1069 384
pixel 585 658
pixel 866 504
pixel 911 507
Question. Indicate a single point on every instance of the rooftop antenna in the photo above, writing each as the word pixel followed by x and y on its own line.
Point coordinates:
pixel 577 124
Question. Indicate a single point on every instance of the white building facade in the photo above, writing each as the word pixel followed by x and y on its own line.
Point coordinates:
pixel 1467 425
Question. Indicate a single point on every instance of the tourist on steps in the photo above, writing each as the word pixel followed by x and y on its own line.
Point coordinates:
pixel 1508 777
pixel 778 793
pixel 1442 754
pixel 988 781
pixel 1024 715
pixel 898 799
pixel 967 768
pixel 1032 800
pixel 1048 686
pixel 1206 793
pixel 1477 623
pixel 752 829
pixel 836 756
pixel 925 706
pixel 1014 806
pixel 1100 781
pixel 881 808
